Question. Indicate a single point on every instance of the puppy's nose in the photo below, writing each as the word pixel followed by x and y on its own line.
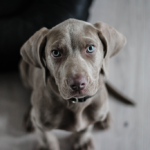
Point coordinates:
pixel 77 83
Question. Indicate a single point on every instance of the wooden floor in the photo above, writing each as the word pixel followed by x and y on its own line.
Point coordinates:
pixel 129 72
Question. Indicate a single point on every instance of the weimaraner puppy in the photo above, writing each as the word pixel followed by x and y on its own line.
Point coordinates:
pixel 65 68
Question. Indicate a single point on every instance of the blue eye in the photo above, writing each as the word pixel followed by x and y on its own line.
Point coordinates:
pixel 90 49
pixel 56 53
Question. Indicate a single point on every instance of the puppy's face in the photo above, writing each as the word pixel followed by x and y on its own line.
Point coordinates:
pixel 73 52
pixel 74 55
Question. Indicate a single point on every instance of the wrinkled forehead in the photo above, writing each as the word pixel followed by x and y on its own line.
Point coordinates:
pixel 72 33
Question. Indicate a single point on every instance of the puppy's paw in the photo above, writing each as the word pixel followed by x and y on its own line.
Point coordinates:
pixel 83 143
pixel 47 148
pixel 85 146
pixel 102 125
pixel 42 148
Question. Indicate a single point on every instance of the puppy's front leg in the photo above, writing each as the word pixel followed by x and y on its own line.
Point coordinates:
pixel 47 140
pixel 82 140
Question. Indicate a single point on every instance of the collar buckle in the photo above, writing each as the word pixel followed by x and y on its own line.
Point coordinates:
pixel 75 100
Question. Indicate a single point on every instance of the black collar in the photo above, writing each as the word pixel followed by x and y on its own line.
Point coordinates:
pixel 76 100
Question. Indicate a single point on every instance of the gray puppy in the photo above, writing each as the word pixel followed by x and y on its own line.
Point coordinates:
pixel 65 68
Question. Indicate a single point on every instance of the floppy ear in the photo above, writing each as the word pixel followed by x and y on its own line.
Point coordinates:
pixel 33 51
pixel 112 40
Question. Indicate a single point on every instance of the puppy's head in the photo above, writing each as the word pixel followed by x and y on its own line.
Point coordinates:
pixel 73 55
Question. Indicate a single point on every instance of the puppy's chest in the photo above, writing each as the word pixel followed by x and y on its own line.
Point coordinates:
pixel 71 120
pixel 76 121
